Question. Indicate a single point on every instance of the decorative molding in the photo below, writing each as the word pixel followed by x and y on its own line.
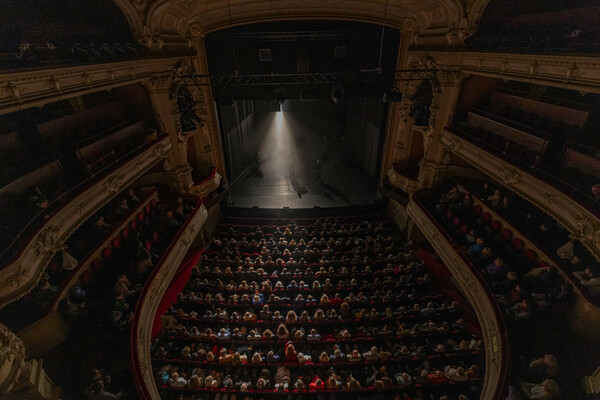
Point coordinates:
pixel 476 295
pixel 206 187
pixel 571 72
pixel 576 218
pixel 402 182
pixel 20 277
pixel 148 304
pixel 19 90
pixel 12 351
pixel 175 23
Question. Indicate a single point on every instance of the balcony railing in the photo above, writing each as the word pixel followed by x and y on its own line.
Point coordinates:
pixel 478 293
pixel 150 298
pixel 37 221
pixel 566 203
pixel 40 238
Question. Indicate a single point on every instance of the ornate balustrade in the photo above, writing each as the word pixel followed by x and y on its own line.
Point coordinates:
pixel 21 276
pixel 582 222
pixel 477 292
pixel 403 181
pixel 150 298
pixel 207 185
pixel 19 90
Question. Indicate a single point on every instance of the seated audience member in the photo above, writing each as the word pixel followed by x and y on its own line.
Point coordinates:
pixel 590 279
pixel 96 391
pixel 495 198
pixel 546 390
pixel 177 381
pixel 122 208
pixel 475 249
pixel 596 192
pixel 317 384
pixel 123 287
pixel 543 367
pixel 282 379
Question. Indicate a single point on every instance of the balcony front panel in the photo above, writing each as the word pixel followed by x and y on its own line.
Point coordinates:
pixel 582 222
pixel 21 276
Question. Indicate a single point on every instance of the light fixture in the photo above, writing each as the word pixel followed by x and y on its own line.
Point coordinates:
pixel 337 93
pixel 280 96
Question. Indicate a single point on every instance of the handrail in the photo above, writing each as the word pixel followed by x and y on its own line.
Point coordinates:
pixel 504 367
pixel 584 149
pixel 22 236
pixel 511 123
pixel 107 239
pixel 213 171
pixel 532 245
pixel 136 367
pixel 105 132
pixel 546 99
pixel 583 199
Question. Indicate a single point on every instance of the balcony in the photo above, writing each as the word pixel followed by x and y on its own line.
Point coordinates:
pixel 42 237
pixel 477 292
pixel 569 205
pixel 150 299
pixel 404 179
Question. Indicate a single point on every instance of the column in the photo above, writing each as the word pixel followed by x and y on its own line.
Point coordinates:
pixel 166 113
pixel 432 166
pixel 399 127
pixel 21 379
pixel 207 144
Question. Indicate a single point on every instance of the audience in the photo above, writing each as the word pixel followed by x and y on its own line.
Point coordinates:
pixel 329 307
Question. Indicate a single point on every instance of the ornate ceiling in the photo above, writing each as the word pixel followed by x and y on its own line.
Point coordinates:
pixel 161 23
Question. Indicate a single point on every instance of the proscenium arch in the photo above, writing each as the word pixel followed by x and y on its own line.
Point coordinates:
pixel 172 20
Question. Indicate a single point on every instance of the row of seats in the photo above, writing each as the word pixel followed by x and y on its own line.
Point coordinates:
pixel 529 292
pixel 569 254
pixel 58 278
pixel 376 327
pixel 32 206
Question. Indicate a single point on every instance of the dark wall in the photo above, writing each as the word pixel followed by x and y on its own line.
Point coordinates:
pixel 365 132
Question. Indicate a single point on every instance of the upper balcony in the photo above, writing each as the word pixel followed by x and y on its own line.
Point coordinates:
pixel 46 232
pixel 567 204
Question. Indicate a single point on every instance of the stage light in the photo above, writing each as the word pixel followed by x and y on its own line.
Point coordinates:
pixel 279 120
pixel 280 96
pixel 337 93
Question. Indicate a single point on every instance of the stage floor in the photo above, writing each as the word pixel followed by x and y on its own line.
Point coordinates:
pixel 340 184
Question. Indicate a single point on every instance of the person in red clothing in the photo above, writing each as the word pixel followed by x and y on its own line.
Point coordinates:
pixel 316 384
pixel 291 355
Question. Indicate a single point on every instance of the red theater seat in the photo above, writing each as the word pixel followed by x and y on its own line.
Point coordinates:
pixel 530 255
pixel 506 234
pixel 517 244
pixel 97 264
pixel 107 252
pixel 495 225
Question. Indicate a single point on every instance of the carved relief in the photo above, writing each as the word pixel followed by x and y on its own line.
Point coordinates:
pixel 112 184
pixel 427 136
pixel 78 208
pixel 12 351
pixel 510 176
pixel 47 243
pixel 158 83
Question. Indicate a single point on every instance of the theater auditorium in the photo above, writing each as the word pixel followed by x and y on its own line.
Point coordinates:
pixel 300 199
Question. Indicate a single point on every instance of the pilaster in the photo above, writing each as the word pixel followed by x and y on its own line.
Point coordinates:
pixel 207 143
pixel 399 127
pixel 166 113
pixel 21 379
pixel 442 111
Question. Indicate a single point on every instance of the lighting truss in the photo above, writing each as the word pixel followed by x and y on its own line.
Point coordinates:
pixel 368 76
